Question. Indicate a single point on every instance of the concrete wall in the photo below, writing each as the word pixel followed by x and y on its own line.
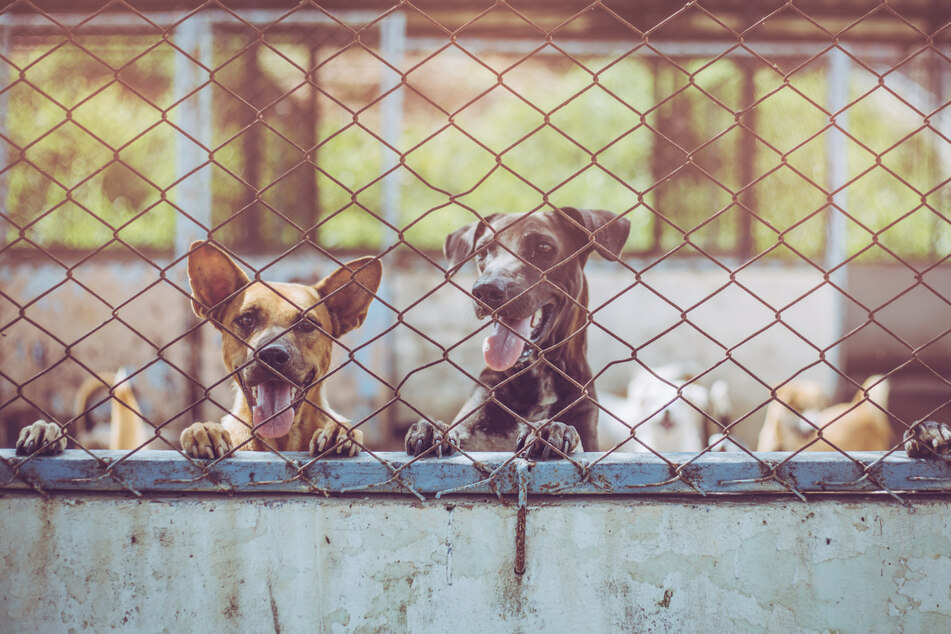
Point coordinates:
pixel 112 312
pixel 392 564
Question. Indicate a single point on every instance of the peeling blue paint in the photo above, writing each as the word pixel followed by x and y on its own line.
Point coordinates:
pixel 588 474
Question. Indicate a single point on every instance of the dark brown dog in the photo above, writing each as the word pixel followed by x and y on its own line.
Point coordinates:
pixel 532 284
pixel 276 343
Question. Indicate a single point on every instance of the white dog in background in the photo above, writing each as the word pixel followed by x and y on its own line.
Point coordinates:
pixel 665 410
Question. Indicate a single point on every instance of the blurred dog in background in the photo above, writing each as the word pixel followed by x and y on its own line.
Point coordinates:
pixel 125 428
pixel 665 410
pixel 800 409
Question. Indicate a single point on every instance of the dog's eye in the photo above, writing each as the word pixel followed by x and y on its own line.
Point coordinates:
pixel 480 253
pixel 245 321
pixel 307 325
pixel 544 249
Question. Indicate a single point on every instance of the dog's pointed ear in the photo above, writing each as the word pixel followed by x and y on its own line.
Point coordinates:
pixel 213 277
pixel 349 291
pixel 604 230
pixel 460 244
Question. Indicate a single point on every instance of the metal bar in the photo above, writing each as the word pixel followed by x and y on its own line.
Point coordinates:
pixel 937 78
pixel 662 163
pixel 837 79
pixel 4 115
pixel 194 195
pixel 747 160
pixel 310 143
pixel 195 118
pixel 166 19
pixel 870 51
pixel 616 474
pixel 250 226
pixel 866 51
pixel 392 48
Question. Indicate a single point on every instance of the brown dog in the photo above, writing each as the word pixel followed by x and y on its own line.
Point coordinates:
pixel 531 282
pixel 276 343
pixel 861 425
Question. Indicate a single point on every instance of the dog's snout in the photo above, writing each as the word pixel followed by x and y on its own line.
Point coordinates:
pixel 275 356
pixel 491 292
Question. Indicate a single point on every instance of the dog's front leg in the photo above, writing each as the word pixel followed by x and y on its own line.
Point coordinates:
pixel 347 440
pixel 46 439
pixel 541 440
pixel 206 440
pixel 424 435
pixel 928 439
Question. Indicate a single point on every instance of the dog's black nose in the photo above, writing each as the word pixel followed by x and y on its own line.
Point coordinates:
pixel 274 356
pixel 490 292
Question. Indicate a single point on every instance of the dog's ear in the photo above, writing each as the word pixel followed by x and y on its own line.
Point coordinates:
pixel 213 277
pixel 349 291
pixel 460 244
pixel 608 230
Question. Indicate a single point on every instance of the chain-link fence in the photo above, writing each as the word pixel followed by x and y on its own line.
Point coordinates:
pixel 769 276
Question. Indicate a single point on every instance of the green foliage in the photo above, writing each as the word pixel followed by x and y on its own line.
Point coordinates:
pixel 94 158
pixel 72 185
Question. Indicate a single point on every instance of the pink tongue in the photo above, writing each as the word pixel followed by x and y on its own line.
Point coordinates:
pixel 503 347
pixel 273 415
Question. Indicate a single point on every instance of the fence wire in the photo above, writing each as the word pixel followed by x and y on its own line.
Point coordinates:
pixel 741 148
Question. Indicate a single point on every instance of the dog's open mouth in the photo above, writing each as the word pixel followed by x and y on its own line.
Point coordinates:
pixel 273 405
pixel 504 347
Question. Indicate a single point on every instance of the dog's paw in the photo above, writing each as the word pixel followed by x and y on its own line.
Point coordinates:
pixel 424 435
pixel 540 442
pixel 928 439
pixel 348 441
pixel 206 440
pixel 45 439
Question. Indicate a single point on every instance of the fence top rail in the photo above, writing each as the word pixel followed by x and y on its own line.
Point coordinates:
pixel 151 471
pixel 164 19
pixel 880 52
pixel 614 45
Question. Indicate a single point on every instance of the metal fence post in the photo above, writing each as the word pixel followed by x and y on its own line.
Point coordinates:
pixel 195 117
pixel 837 79
pixel 392 49
pixel 193 167
pixel 4 114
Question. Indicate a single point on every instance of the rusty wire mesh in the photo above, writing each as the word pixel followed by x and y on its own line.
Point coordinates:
pixel 300 138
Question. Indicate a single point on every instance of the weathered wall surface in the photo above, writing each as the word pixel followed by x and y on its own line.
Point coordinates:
pixel 391 564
